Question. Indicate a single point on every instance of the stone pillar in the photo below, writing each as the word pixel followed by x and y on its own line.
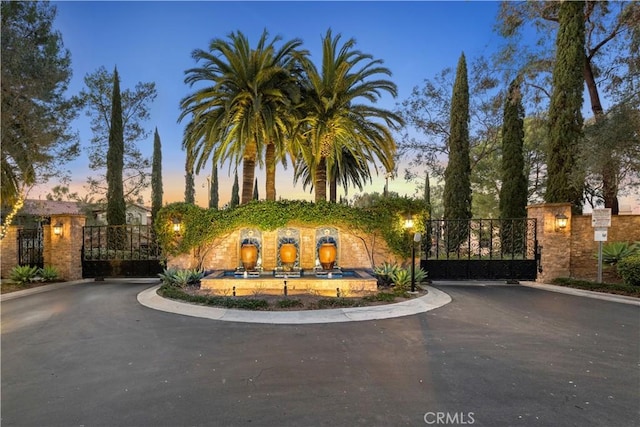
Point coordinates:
pixel 64 252
pixel 555 243
pixel 9 251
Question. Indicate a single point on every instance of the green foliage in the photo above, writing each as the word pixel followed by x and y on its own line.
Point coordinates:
pixel 564 181
pixel 289 303
pixel 214 194
pixel 457 188
pixel 23 274
pixel 216 301
pixel 629 269
pixel 156 176
pixel 337 302
pixel 385 273
pixel 235 192
pixel 611 288
pixel 116 207
pixel 200 226
pixel 48 273
pixel 401 281
pixel 513 192
pixel 420 275
pixel 380 297
pixel 614 252
pixel 181 278
pixel 37 136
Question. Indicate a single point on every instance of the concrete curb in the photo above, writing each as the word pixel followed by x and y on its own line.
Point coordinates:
pixel 434 299
pixel 40 289
pixel 623 299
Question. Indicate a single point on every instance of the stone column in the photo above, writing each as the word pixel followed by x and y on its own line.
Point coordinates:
pixel 64 252
pixel 555 242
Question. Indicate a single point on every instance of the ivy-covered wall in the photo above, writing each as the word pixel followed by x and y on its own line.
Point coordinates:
pixel 210 239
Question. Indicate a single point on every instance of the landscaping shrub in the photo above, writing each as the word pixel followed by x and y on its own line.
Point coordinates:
pixel 181 278
pixel 385 273
pixel 48 273
pixel 611 288
pixel 614 252
pixel 23 274
pixel 629 269
pixel 402 281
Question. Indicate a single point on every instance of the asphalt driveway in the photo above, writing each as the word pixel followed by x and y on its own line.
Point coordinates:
pixel 91 355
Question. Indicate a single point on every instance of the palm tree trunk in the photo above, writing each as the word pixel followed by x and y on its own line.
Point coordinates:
pixel 270 162
pixel 333 190
pixel 248 173
pixel 321 180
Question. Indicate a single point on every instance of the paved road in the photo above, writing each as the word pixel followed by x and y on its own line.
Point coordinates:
pixel 90 355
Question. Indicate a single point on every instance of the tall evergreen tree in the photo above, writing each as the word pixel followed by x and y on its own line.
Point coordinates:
pixel 427 202
pixel 457 175
pixel 235 192
pixel 189 181
pixel 564 182
pixel 156 176
pixel 214 196
pixel 513 193
pixel 116 208
pixel 255 190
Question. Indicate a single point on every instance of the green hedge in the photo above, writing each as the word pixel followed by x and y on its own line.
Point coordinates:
pixel 611 288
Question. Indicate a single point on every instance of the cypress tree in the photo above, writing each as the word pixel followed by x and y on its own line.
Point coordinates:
pixel 214 197
pixel 255 190
pixel 457 175
pixel 189 184
pixel 156 176
pixel 427 201
pixel 564 182
pixel 235 193
pixel 513 193
pixel 116 207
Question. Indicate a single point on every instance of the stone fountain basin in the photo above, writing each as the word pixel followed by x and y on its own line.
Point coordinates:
pixel 353 283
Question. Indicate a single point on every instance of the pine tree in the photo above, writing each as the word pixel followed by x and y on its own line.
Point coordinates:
pixel 156 176
pixel 214 197
pixel 457 175
pixel 235 193
pixel 189 182
pixel 255 190
pixel 513 193
pixel 116 207
pixel 564 182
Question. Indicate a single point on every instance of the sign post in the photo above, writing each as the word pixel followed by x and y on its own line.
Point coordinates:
pixel 600 221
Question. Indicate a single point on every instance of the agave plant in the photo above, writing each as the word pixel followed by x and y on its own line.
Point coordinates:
pixel 614 252
pixel 48 273
pixel 23 274
pixel 401 280
pixel 385 273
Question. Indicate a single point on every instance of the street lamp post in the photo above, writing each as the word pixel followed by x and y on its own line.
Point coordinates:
pixel 416 239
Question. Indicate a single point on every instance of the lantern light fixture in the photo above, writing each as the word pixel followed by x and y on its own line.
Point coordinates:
pixel 177 225
pixel 561 222
pixel 58 229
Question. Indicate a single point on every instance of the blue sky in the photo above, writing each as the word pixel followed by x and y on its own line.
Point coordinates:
pixel 152 42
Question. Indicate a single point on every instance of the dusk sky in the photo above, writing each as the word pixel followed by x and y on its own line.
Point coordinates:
pixel 152 42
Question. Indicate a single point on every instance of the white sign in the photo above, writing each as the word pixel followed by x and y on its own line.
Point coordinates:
pixel 600 234
pixel 601 218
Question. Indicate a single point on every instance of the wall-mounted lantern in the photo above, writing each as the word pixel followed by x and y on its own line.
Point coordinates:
pixel 58 229
pixel 177 225
pixel 561 222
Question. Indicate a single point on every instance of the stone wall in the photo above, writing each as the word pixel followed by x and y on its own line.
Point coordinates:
pixel 9 251
pixel 571 252
pixel 355 251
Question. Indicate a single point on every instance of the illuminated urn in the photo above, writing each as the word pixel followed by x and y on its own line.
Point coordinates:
pixel 288 255
pixel 249 256
pixel 327 255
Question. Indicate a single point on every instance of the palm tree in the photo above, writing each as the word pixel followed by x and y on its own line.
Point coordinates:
pixel 333 122
pixel 243 111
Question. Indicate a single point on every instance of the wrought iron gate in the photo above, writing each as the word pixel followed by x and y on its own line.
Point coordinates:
pixel 30 247
pixel 120 251
pixel 481 249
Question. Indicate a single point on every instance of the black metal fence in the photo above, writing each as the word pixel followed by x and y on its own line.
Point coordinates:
pixel 481 249
pixel 120 251
pixel 30 247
